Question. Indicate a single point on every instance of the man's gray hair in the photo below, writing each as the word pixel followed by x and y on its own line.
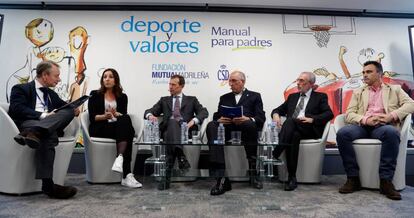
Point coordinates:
pixel 241 74
pixel 311 76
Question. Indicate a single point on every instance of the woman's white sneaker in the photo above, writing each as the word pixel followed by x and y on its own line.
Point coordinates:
pixel 117 166
pixel 131 182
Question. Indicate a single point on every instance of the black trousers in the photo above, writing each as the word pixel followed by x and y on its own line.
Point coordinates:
pixel 291 133
pixel 48 128
pixel 172 138
pixel 121 130
pixel 248 136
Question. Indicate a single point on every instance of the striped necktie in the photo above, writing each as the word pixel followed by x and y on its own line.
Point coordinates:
pixel 299 107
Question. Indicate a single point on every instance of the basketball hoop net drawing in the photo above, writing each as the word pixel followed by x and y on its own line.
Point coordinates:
pixel 321 34
pixel 321 27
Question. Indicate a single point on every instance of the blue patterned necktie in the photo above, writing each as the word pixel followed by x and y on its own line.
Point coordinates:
pixel 45 102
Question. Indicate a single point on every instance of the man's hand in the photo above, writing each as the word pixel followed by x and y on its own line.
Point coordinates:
pixel 51 113
pixel 305 119
pixel 385 118
pixel 152 118
pixel 190 124
pixel 277 120
pixel 240 120
pixel 224 120
pixel 76 111
pixel 372 121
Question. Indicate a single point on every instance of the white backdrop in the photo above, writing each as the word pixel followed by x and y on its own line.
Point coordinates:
pixel 269 68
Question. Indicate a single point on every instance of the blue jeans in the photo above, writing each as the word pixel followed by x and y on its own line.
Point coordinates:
pixel 387 134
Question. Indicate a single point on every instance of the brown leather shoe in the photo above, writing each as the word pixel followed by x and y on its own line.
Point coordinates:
pixel 352 185
pixel 61 192
pixel 388 189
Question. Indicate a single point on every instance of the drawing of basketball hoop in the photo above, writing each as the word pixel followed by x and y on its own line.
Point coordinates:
pixel 321 34
pixel 321 27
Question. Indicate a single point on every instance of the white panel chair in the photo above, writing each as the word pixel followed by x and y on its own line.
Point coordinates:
pixel 100 153
pixel 368 153
pixel 17 164
pixel 310 160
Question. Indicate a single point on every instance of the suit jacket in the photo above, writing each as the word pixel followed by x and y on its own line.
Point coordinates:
pixel 252 106
pixel 96 106
pixel 190 108
pixel 317 109
pixel 23 102
pixel 394 99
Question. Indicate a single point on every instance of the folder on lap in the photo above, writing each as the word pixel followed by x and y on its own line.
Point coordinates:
pixel 231 112
pixel 74 104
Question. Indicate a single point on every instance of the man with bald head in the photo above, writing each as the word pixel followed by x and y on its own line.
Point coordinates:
pixel 307 113
pixel 249 124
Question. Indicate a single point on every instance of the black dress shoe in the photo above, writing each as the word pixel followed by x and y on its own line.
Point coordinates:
pixel 163 185
pixel 28 138
pixel 256 182
pixel 20 139
pixel 223 185
pixel 291 184
pixel 183 163
pixel 61 192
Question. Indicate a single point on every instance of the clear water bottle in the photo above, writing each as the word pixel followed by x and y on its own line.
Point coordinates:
pixel 184 133
pixel 221 135
pixel 155 133
pixel 274 132
pixel 147 131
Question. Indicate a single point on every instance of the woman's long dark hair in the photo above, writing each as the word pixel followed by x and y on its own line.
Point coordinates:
pixel 117 90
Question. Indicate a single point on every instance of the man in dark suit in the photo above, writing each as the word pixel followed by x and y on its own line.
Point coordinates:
pixel 32 108
pixel 307 113
pixel 175 109
pixel 249 124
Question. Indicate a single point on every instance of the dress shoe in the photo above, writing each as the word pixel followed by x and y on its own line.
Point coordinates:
pixel 388 189
pixel 291 184
pixel 28 138
pixel 61 192
pixel 352 184
pixel 165 180
pixel 164 184
pixel 223 185
pixel 20 139
pixel 183 163
pixel 256 182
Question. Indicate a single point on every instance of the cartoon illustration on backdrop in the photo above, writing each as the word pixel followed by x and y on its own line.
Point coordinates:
pixel 78 41
pixel 40 32
pixel 339 88
pixel 321 27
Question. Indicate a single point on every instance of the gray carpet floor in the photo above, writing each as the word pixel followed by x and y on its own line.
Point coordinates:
pixel 192 199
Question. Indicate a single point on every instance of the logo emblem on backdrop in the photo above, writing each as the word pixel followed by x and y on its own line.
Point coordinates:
pixel 223 75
